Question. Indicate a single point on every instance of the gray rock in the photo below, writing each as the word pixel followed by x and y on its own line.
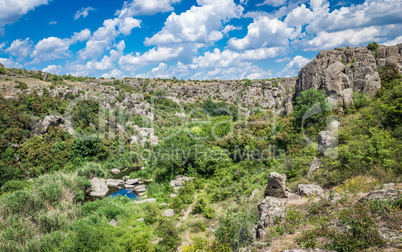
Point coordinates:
pixel 129 186
pixel 150 200
pixel 163 204
pixel 389 186
pixel 49 121
pixel 173 195
pixel 328 139
pixel 1 65
pixel 384 194
pixel 140 189
pixel 115 182
pixel 309 190
pixel 140 219
pixel 132 181
pixel 115 171
pixel 254 193
pixel 314 166
pixel 270 210
pixel 168 213
pixel 276 186
pixel 179 181
pixel 99 187
pixel 113 223
pixel 308 250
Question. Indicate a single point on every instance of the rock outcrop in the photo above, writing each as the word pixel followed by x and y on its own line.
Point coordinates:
pixel 384 194
pixel 99 187
pixel 314 166
pixel 49 121
pixel 343 70
pixel 276 186
pixel 309 190
pixel 270 209
pixel 328 139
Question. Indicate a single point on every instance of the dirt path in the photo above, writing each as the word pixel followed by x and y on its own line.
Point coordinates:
pixel 188 211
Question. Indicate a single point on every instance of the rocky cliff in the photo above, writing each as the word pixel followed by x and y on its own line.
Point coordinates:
pixel 343 70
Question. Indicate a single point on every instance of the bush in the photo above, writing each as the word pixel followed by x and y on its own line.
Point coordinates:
pixel 373 46
pixel 235 230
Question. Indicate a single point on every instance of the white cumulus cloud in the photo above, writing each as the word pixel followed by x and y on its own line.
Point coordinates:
pixel 20 48
pixel 200 24
pixel 84 12
pixel 12 10
pixel 146 7
pixel 53 69
pixel 294 66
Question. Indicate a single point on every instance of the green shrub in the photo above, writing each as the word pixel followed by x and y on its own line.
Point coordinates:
pixel 373 46
pixel 235 229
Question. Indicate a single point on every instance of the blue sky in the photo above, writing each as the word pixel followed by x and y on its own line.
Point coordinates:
pixel 196 39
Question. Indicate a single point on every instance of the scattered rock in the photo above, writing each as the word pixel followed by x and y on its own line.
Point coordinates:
pixel 309 190
pixel 314 166
pixel 129 186
pixel 140 189
pixel 115 171
pixel 270 209
pixel 115 182
pixel 168 213
pixel 173 195
pixel 157 241
pixel 179 181
pixel 150 200
pixel 140 219
pixel 254 193
pixel 389 186
pixel 132 181
pixel 99 187
pixel 113 223
pixel 384 194
pixel 276 185
pixel 308 250
pixel 163 204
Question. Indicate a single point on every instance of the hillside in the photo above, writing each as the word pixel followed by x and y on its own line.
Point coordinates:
pixel 313 161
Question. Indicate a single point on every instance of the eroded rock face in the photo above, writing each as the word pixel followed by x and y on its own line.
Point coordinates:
pixel 341 71
pixel 314 166
pixel 270 209
pixel 115 182
pixel 49 121
pixel 309 190
pixel 328 139
pixel 276 186
pixel 384 194
pixel 99 187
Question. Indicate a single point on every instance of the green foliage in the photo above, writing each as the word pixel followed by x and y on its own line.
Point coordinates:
pixel 220 109
pixel 21 85
pixel 14 185
pixel 83 150
pixel 373 46
pixel 2 70
pixel 235 230
pixel 311 108
pixel 201 207
pixel 91 170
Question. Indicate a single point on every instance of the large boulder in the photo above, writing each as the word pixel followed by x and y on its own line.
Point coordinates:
pixel 309 190
pixel 49 121
pixel 115 182
pixel 328 140
pixel 276 186
pixel 314 166
pixel 270 210
pixel 140 189
pixel 99 187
